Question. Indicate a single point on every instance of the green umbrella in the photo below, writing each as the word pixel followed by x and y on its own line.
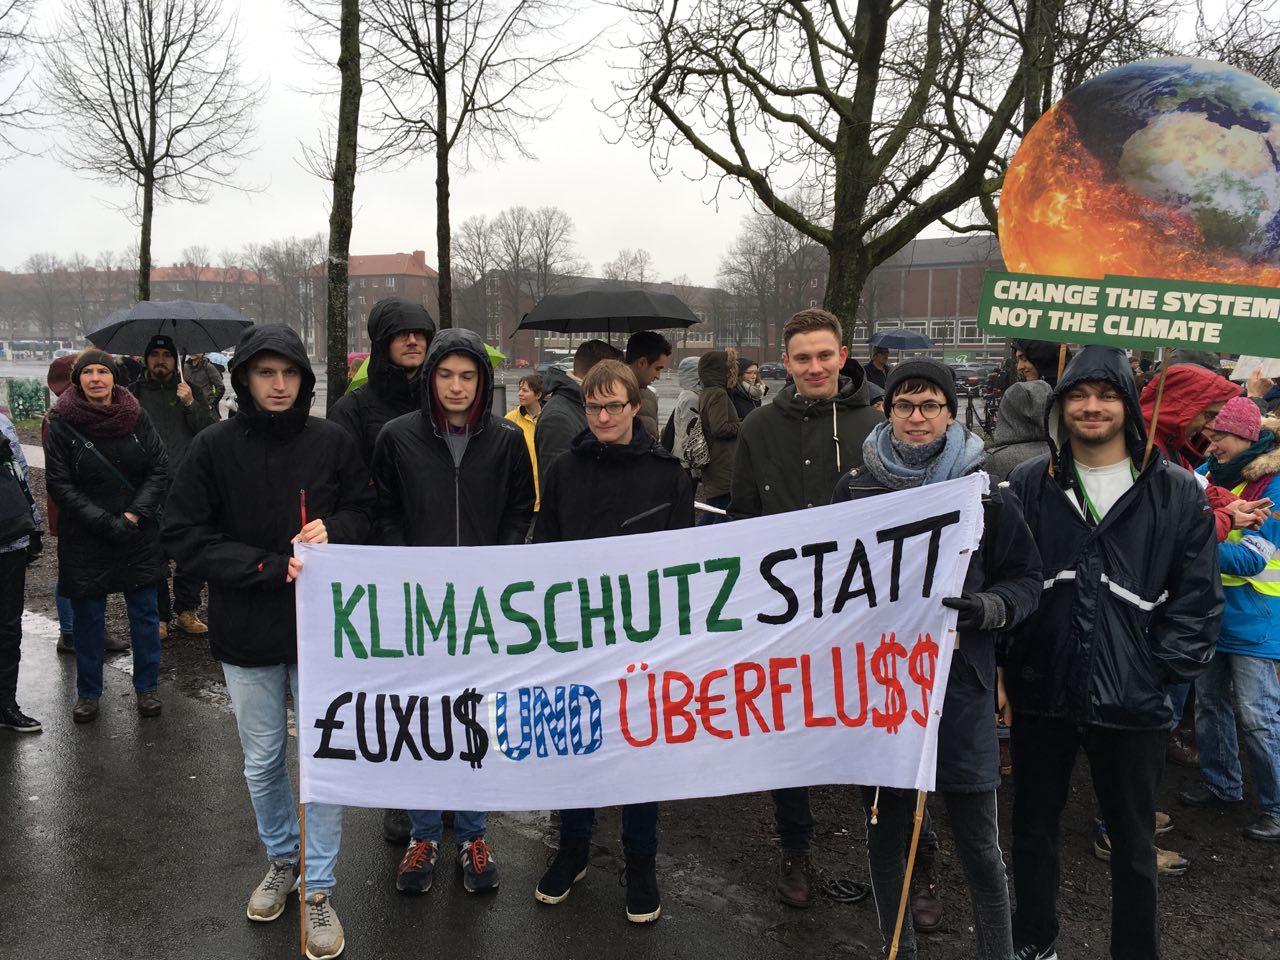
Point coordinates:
pixel 362 374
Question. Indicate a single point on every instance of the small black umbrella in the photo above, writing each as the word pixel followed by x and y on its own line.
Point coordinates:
pixel 194 327
pixel 609 309
pixel 896 338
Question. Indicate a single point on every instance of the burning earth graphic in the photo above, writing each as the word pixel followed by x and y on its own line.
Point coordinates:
pixel 1161 168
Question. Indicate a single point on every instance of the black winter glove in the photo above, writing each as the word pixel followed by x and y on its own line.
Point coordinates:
pixel 35 546
pixel 978 611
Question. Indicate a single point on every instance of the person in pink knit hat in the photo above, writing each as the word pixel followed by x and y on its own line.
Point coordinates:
pixel 1241 685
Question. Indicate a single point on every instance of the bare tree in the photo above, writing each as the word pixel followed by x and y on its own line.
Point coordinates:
pixel 476 257
pixel 256 261
pixel 450 76
pixel 630 266
pixel 553 256
pixel 15 33
pixel 45 293
pixel 514 231
pixel 1244 34
pixel 149 93
pixel 194 267
pixel 894 111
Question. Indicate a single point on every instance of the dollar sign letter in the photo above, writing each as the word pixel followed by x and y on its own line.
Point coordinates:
pixel 884 667
pixel 924 658
pixel 464 708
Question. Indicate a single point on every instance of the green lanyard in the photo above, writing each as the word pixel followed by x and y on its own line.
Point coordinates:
pixel 1086 502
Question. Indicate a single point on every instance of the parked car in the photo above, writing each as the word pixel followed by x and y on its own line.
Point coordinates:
pixel 969 376
pixel 521 363
pixel 772 371
pixel 545 368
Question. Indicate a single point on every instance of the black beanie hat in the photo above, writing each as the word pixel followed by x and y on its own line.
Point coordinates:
pixel 94 356
pixel 922 368
pixel 160 342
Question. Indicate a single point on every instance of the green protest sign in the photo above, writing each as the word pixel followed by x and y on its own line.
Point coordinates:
pixel 1136 312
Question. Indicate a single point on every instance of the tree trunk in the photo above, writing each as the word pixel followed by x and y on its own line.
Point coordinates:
pixel 144 242
pixel 849 267
pixel 340 215
pixel 442 175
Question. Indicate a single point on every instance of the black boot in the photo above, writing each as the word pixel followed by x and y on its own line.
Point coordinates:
pixel 641 879
pixel 567 867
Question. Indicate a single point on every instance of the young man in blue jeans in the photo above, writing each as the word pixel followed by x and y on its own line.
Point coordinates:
pixel 235 527
pixel 452 475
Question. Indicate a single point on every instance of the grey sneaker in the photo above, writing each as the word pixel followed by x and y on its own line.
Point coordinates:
pixel 268 898
pixel 324 930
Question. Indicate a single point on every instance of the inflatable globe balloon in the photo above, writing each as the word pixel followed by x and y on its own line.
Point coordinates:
pixel 1160 168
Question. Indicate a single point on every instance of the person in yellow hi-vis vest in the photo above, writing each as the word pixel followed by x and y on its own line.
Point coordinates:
pixel 1241 683
pixel 525 416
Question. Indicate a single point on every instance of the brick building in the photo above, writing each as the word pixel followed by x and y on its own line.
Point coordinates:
pixel 373 277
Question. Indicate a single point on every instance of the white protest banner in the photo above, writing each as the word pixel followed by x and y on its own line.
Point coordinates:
pixel 810 647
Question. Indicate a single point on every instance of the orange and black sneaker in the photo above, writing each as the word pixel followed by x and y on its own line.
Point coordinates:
pixel 479 872
pixel 417 867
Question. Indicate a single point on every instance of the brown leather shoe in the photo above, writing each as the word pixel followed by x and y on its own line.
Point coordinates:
pixel 1180 752
pixel 191 624
pixel 926 908
pixel 85 710
pixel 164 630
pixel 149 704
pixel 795 880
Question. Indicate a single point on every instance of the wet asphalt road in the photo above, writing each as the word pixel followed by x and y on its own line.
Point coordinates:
pixel 131 838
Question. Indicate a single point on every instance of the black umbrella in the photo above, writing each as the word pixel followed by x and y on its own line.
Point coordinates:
pixel 896 338
pixel 608 309
pixel 194 327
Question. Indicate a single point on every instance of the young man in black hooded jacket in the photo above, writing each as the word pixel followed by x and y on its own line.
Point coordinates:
pixel 615 480
pixel 1131 605
pixel 452 474
pixel 400 334
pixel 234 513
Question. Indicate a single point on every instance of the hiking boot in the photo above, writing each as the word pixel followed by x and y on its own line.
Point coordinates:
pixel 164 630
pixel 567 867
pixel 1267 828
pixel 269 897
pixel 149 704
pixel 66 643
pixel 117 644
pixel 395 827
pixel 1169 863
pixel 85 710
pixel 11 718
pixel 479 870
pixel 417 867
pixel 1181 752
pixel 640 877
pixel 795 880
pixel 189 623
pixel 324 930
pixel 1201 796
pixel 1164 823
pixel 926 908
pixel 1030 951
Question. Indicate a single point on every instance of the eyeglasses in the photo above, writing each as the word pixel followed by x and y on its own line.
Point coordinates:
pixel 595 409
pixel 903 409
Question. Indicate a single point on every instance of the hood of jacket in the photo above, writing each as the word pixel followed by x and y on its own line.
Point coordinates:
pixel 852 392
pixel 280 339
pixel 1188 389
pixel 1043 355
pixel 713 369
pixel 1104 365
pixel 687 374
pixel 1022 411
pixel 457 340
pixel 389 317
pixel 559 382
pixel 1265 464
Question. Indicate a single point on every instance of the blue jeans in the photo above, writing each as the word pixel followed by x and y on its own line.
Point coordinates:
pixel 258 697
pixel 427 825
pixel 1250 685
pixel 639 827
pixel 1178 694
pixel 91 636
pixel 66 618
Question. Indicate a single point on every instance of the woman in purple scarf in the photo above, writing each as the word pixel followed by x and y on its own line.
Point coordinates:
pixel 106 471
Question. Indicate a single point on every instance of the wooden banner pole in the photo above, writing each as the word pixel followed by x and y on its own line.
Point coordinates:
pixel 906 877
pixel 1062 361
pixel 1155 409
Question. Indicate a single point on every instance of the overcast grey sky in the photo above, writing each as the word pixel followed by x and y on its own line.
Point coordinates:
pixel 609 190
